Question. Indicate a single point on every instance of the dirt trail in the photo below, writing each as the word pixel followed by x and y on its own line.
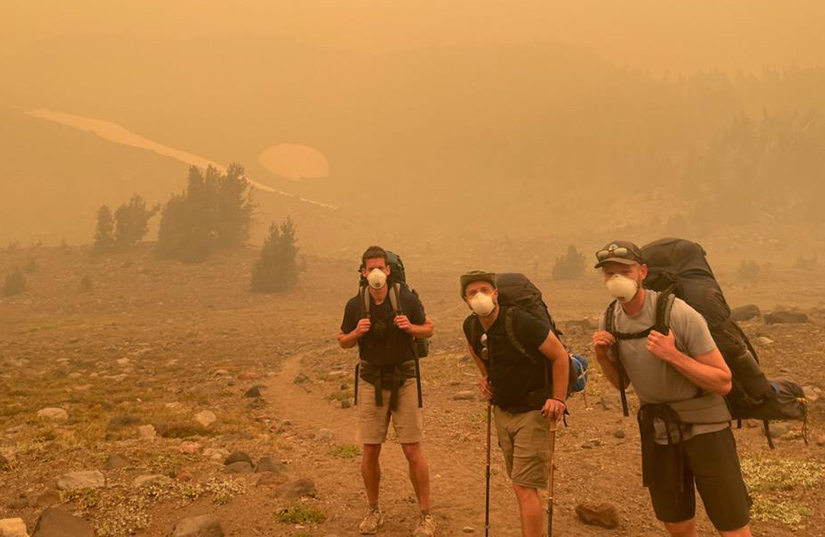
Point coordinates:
pixel 457 475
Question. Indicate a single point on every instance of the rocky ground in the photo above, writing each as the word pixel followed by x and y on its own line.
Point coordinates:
pixel 159 399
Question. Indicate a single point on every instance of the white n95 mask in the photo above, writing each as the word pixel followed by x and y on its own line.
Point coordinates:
pixel 482 304
pixel 376 278
pixel 622 288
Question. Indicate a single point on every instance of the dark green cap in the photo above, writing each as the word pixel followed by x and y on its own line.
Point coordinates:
pixel 477 276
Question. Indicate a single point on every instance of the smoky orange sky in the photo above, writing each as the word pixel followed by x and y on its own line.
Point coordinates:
pixel 672 36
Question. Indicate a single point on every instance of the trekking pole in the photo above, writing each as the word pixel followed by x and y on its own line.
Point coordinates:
pixel 550 478
pixel 487 502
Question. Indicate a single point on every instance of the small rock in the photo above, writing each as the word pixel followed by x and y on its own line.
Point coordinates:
pixel 619 433
pixel 143 480
pixel 116 462
pixel 467 395
pixel 88 479
pixel 812 393
pixel 238 456
pixel 745 313
pixel 267 464
pixel 300 378
pixel 205 418
pixel 56 414
pixel 13 527
pixel 468 529
pixel 604 515
pixel 338 374
pixel 174 407
pixel 58 523
pixel 147 432
pixel 119 422
pixel 820 441
pixel 609 402
pixel 123 361
pixel 241 467
pixel 346 403
pixel 269 479
pixel 765 341
pixel 324 435
pixel 786 317
pixel 190 447
pixel 216 454
pixel 47 499
pixel 300 488
pixel 284 426
pixel 247 375
pixel 254 391
pixel 199 526
pixel 185 475
pixel 779 429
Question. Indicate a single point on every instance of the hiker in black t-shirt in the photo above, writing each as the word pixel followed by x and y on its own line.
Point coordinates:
pixel 523 398
pixel 383 321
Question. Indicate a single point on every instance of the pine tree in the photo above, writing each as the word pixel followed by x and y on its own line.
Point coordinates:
pixel 104 236
pixel 277 268
pixel 132 222
pixel 215 211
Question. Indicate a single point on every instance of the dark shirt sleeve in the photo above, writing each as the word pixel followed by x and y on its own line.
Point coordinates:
pixel 352 314
pixel 413 308
pixel 531 332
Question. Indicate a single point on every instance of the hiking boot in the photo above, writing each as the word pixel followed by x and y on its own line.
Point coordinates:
pixel 372 522
pixel 426 527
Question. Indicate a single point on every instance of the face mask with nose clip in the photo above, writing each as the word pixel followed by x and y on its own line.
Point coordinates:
pixel 622 288
pixel 376 278
pixel 482 304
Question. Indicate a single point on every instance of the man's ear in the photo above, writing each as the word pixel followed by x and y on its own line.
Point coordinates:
pixel 387 270
pixel 643 272
pixel 495 295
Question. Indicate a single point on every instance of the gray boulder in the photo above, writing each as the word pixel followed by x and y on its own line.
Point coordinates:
pixel 199 526
pixel 88 479
pixel 746 313
pixel 58 523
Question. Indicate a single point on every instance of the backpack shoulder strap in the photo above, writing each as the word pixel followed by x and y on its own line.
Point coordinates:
pixel 510 330
pixel 610 318
pixel 664 309
pixel 365 300
pixel 394 294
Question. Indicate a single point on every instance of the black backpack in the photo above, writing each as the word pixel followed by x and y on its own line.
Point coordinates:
pixel 679 268
pixel 515 290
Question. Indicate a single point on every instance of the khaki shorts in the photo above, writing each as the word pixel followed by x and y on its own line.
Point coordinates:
pixel 374 420
pixel 524 440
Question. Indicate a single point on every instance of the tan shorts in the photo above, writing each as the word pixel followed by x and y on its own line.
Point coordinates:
pixel 374 420
pixel 524 440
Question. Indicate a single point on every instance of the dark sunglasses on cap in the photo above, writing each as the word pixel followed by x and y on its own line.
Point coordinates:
pixel 620 252
pixel 601 255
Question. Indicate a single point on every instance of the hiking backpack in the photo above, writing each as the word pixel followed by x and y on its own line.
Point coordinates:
pixel 515 290
pixel 396 281
pixel 679 268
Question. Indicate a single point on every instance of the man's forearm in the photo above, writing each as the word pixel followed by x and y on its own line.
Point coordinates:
pixel 349 340
pixel 609 369
pixel 707 377
pixel 421 331
pixel 561 376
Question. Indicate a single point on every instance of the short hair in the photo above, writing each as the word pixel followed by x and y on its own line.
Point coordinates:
pixel 374 252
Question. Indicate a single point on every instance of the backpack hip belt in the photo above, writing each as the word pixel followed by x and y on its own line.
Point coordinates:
pixel 708 408
pixel 398 375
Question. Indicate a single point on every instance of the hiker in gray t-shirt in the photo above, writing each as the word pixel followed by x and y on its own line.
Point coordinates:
pixel 680 378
